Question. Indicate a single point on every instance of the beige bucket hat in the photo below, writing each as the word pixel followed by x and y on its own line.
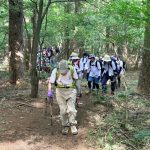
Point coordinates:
pixel 74 56
pixel 63 66
pixel 106 58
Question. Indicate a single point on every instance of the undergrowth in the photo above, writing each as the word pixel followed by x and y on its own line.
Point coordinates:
pixel 127 124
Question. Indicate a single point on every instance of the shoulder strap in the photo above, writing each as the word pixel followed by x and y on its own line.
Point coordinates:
pixel 71 70
pixel 95 63
pixel 82 59
pixel 79 64
pixel 116 70
pixel 90 63
pixel 57 74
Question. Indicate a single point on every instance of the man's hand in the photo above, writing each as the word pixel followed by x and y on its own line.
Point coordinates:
pixel 49 94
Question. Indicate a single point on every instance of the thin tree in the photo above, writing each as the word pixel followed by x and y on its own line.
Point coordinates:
pixel 39 14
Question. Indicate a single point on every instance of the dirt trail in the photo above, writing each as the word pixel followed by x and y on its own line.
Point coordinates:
pixel 26 128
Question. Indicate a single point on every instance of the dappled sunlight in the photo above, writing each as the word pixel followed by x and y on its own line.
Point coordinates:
pixel 38 104
pixel 74 75
pixel 95 119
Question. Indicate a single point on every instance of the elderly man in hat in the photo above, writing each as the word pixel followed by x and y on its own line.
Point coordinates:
pixel 109 71
pixel 64 77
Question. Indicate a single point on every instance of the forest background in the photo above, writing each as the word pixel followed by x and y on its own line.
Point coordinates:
pixel 96 26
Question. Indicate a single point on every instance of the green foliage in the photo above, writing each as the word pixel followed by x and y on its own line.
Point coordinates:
pixel 3 25
pixel 113 134
pixel 125 19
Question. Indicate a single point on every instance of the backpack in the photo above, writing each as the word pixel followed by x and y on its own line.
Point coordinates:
pixel 116 70
pixel 95 63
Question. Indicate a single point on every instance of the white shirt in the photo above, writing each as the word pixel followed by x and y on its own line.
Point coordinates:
pixel 120 66
pixel 93 69
pixel 65 80
pixel 79 68
pixel 83 61
pixel 87 65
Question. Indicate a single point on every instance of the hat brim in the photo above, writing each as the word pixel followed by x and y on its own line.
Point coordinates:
pixel 106 60
pixel 91 57
pixel 73 58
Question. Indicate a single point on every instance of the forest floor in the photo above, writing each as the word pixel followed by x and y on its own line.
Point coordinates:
pixel 23 125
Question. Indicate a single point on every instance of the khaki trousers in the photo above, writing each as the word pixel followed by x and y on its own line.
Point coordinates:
pixel 66 98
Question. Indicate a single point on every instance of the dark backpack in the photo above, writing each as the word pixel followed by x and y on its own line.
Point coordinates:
pixel 95 63
pixel 116 70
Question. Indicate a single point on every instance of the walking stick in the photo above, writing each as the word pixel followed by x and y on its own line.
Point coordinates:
pixel 49 101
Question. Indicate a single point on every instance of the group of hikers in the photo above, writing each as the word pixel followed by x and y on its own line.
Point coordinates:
pixel 46 57
pixel 67 78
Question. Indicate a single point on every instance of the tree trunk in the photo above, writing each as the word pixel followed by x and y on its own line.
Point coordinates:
pixel 36 37
pixel 15 40
pixel 67 43
pixel 107 38
pixel 66 32
pixel 38 17
pixel 77 6
pixel 28 53
pixel 28 47
pixel 144 77
pixel 137 59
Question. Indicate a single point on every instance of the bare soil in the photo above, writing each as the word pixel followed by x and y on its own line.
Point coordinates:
pixel 23 125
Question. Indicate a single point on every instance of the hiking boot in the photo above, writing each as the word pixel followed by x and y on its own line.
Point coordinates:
pixel 79 95
pixel 74 130
pixel 112 93
pixel 65 130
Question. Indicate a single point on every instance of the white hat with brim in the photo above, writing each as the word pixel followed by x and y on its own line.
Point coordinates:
pixel 96 58
pixel 73 54
pixel 63 66
pixel 74 58
pixel 106 58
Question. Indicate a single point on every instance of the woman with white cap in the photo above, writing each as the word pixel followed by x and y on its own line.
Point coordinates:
pixel 94 70
pixel 79 69
pixel 109 71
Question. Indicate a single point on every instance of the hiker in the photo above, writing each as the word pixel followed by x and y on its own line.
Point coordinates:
pixel 64 78
pixel 57 50
pixel 94 70
pixel 109 71
pixel 79 69
pixel 49 53
pixel 121 69
pixel 84 59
